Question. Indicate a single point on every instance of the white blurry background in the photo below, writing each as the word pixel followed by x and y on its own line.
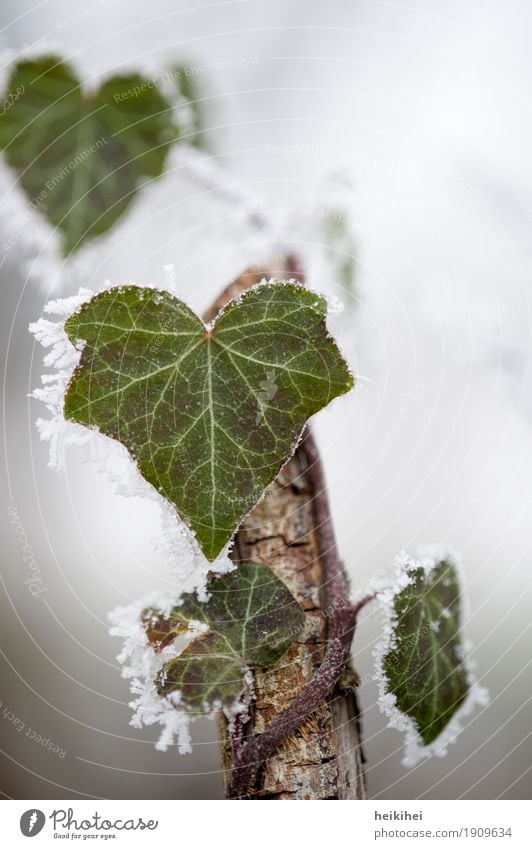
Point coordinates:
pixel 427 108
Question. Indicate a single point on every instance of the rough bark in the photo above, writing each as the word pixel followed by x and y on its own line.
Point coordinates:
pixel 323 758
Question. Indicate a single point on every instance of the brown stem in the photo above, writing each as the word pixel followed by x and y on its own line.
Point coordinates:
pixel 249 756
pixel 255 752
pixel 295 537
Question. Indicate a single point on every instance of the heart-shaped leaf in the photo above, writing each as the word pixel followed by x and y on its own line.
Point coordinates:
pixel 80 157
pixel 252 620
pixel 209 414
pixel 424 669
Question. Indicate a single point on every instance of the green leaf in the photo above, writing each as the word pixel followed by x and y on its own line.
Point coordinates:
pixel 81 157
pixel 424 669
pixel 252 620
pixel 209 414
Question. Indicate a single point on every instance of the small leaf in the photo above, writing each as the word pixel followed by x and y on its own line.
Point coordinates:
pixel 252 620
pixel 80 157
pixel 424 668
pixel 209 414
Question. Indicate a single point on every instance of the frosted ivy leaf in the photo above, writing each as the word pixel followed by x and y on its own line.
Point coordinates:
pixel 251 619
pixel 81 157
pixel 188 401
pixel 426 682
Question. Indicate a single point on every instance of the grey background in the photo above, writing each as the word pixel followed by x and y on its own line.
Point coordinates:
pixel 427 107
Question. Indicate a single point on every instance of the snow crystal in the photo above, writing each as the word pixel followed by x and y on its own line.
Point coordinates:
pixel 334 305
pixel 415 751
pixel 141 663
pixel 242 703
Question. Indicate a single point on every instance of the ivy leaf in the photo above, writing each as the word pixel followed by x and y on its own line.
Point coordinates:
pixel 79 157
pixel 210 414
pixel 424 668
pixel 252 620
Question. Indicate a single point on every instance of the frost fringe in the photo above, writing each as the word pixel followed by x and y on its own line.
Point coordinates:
pixel 141 663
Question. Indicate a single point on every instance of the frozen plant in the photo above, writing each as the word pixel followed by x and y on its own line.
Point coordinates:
pixel 175 401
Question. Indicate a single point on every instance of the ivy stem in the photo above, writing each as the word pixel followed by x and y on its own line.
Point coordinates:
pixel 342 622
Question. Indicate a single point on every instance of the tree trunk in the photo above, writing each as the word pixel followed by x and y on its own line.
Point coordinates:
pixel 323 758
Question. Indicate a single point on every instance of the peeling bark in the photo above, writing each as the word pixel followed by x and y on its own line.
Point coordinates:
pixel 323 758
